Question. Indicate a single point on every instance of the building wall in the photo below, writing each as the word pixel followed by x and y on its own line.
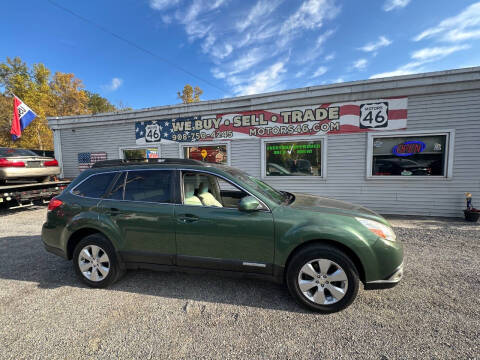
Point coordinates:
pixel 347 158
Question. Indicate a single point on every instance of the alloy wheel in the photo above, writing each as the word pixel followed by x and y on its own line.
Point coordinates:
pixel 323 281
pixel 94 263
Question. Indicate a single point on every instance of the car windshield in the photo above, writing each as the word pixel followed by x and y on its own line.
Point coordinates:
pixel 10 152
pixel 263 188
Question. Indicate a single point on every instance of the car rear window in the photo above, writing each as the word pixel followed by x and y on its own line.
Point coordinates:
pixel 149 185
pixel 10 152
pixel 94 186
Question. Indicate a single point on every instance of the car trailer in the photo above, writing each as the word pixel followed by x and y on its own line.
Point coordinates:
pixel 14 196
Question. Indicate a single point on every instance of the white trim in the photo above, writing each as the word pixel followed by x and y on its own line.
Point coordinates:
pixel 206 143
pixel 57 148
pixel 136 147
pixel 322 138
pixel 449 151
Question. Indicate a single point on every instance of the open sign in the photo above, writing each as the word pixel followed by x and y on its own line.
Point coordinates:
pixel 409 148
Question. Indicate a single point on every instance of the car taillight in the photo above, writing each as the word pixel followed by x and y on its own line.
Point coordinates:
pixel 51 163
pixel 54 203
pixel 7 163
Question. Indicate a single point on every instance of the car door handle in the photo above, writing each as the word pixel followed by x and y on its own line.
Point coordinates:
pixel 187 218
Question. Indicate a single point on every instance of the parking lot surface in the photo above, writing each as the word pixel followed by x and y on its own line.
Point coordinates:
pixel 45 312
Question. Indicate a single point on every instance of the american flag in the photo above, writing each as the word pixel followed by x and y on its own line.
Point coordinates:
pixel 87 159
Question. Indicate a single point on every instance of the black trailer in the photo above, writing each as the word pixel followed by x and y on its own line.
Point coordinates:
pixel 22 195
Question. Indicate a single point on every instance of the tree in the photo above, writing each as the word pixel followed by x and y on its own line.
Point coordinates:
pixel 58 95
pixel 98 104
pixel 189 94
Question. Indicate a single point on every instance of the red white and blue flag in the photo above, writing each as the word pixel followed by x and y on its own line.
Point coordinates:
pixel 22 117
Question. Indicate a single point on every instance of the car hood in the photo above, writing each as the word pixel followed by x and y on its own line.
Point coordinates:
pixel 323 204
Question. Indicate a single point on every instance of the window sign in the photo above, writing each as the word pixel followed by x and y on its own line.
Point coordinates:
pixel 213 153
pixel 140 153
pixel 409 156
pixel 293 158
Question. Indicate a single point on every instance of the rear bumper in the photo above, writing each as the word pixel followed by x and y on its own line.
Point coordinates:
pixel 56 251
pixel 15 173
pixel 389 282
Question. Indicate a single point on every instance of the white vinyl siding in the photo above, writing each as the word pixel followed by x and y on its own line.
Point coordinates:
pixel 456 108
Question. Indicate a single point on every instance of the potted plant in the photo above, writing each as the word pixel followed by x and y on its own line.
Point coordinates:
pixel 471 214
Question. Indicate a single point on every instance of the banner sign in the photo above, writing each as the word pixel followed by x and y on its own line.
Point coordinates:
pixel 335 118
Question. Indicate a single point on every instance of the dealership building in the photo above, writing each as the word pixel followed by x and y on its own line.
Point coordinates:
pixel 401 145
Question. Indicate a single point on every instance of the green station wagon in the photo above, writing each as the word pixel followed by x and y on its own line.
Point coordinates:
pixel 195 216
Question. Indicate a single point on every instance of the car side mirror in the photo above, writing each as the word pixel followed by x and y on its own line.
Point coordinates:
pixel 248 203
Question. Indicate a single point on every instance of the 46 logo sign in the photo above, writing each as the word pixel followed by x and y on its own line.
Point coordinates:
pixel 152 133
pixel 374 115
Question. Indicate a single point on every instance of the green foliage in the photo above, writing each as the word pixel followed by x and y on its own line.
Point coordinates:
pixel 98 104
pixel 189 94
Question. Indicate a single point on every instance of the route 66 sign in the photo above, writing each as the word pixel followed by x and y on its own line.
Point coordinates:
pixel 152 133
pixel 374 115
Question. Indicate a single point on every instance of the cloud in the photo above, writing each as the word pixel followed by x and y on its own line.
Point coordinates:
pixel 311 14
pixel 360 64
pixel 329 57
pixel 373 46
pixel 269 79
pixel 113 85
pixel 163 4
pixel 463 26
pixel 437 53
pixel 320 71
pixel 324 37
pixel 260 10
pixel 390 5
pixel 420 58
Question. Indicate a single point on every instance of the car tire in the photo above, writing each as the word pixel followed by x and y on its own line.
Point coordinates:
pixel 322 278
pixel 95 261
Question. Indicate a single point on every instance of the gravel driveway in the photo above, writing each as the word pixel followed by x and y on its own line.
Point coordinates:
pixel 45 312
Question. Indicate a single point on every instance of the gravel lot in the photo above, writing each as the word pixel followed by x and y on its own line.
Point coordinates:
pixel 45 312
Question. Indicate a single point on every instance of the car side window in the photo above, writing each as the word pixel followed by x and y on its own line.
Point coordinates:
pixel 95 186
pixel 150 186
pixel 200 189
pixel 116 191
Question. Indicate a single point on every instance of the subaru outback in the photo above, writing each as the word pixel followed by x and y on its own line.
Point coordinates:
pixel 194 216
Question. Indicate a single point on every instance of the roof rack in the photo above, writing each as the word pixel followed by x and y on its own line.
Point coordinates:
pixel 142 161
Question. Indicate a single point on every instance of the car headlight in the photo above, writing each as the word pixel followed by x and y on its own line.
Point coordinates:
pixel 379 229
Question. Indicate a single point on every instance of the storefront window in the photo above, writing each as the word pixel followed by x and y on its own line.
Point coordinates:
pixel 293 158
pixel 210 153
pixel 137 154
pixel 409 156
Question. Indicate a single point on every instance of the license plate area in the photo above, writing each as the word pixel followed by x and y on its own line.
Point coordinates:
pixel 34 164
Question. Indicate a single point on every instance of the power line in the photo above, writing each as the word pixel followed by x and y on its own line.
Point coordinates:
pixel 136 46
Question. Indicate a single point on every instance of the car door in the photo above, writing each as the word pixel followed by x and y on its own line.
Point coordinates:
pixel 141 206
pixel 222 238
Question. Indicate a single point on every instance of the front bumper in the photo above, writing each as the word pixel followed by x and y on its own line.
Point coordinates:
pixel 24 172
pixel 389 282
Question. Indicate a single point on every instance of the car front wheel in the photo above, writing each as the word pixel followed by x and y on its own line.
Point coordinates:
pixel 322 278
pixel 95 261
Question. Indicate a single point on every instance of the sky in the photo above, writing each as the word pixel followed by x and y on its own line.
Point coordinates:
pixel 141 52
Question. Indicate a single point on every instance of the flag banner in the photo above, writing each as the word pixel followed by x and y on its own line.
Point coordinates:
pixel 332 118
pixel 87 159
pixel 22 117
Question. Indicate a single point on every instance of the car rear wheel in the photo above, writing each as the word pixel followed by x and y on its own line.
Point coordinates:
pixel 322 278
pixel 95 261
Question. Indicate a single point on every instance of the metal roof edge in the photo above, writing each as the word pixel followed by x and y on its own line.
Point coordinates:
pixel 394 82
